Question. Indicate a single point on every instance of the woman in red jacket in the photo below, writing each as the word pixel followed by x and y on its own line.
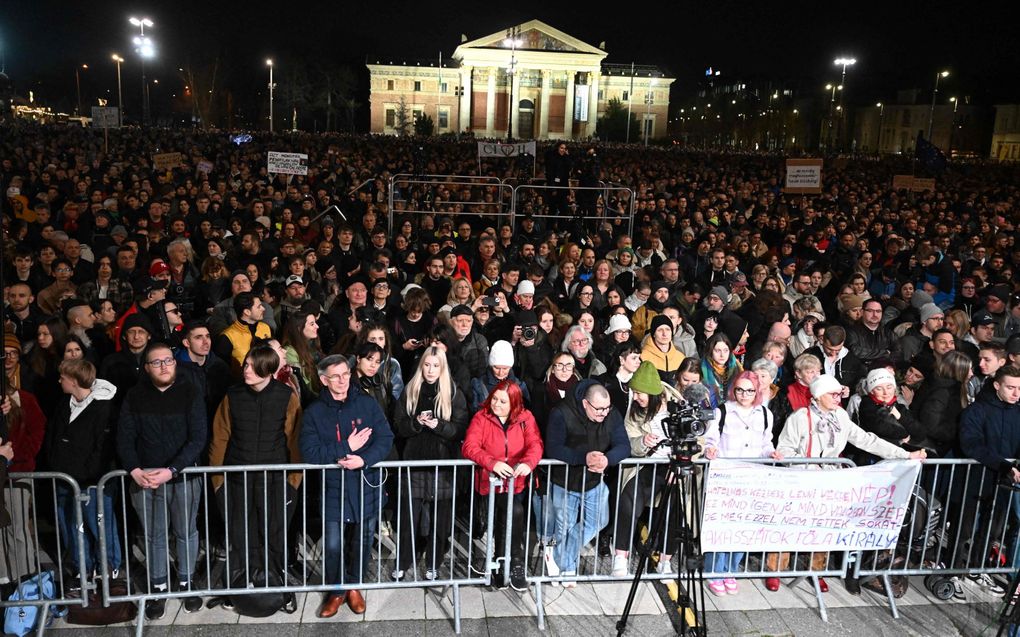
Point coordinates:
pixel 27 427
pixel 503 440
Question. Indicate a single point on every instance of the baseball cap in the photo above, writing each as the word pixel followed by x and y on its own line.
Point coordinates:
pixel 294 279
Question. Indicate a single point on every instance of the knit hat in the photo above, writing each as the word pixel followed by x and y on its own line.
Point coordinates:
pixel 878 377
pixel 11 341
pixel 920 298
pixel 525 287
pixel 853 302
pixel 825 384
pixel 721 292
pixel 618 322
pixel 460 310
pixel 501 354
pixel 1000 292
pixel 659 321
pixel 930 310
pixel 646 380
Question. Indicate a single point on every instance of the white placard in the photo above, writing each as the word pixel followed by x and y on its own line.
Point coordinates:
pixel 803 175
pixel 105 117
pixel 287 163
pixel 752 507
pixel 495 149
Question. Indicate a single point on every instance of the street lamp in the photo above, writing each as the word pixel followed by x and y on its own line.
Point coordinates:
pixel 458 92
pixel 842 62
pixel 120 96
pixel 513 41
pixel 269 63
pixel 881 123
pixel 832 106
pixel 77 84
pixel 934 94
pixel 145 49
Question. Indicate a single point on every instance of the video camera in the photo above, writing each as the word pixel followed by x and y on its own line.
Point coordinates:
pixel 686 421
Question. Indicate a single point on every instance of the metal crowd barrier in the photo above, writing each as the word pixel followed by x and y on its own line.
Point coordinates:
pixel 36 542
pixel 241 534
pixel 957 524
pixel 605 190
pixel 503 203
pixel 548 523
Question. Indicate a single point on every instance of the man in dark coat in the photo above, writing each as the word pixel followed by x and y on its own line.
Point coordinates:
pixel 558 167
pixel 346 428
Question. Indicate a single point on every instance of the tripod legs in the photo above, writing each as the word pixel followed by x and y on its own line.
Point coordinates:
pixel 680 488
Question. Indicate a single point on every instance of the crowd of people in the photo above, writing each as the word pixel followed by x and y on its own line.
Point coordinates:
pixel 161 319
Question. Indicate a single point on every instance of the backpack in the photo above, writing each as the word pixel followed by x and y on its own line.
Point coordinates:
pixel 21 620
pixel 722 418
pixel 261 604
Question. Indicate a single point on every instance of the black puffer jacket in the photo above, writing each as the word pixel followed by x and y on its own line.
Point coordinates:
pixel 258 424
pixel 879 420
pixel 158 429
pixel 937 408
pixel 83 447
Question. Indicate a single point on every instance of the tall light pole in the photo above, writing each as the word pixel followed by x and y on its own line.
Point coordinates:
pixel 120 96
pixel 934 94
pixel 842 62
pixel 145 50
pixel 513 41
pixel 881 123
pixel 77 84
pixel 269 63
pixel 832 110
pixel 649 96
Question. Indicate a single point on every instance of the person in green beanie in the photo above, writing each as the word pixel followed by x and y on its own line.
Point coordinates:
pixel 645 424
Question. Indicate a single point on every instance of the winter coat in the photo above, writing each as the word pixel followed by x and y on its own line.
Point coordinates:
pixel 422 443
pixel 990 433
pixel 570 435
pixel 28 437
pixel 879 420
pixel 912 343
pixel 666 363
pixel 79 441
pixel 325 428
pixel 489 441
pixel 868 345
pixel 482 386
pixel 937 407
pixel 474 353
pixel 848 368
pixel 802 440
pixel 158 429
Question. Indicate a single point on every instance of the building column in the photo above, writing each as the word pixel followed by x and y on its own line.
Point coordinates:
pixel 543 115
pixel 490 104
pixel 568 111
pixel 465 99
pixel 593 103
pixel 515 107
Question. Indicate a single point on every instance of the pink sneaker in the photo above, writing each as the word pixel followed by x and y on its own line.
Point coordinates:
pixel 717 587
pixel 731 585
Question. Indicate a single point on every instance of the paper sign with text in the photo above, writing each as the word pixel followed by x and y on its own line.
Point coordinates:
pixel 105 117
pixel 751 507
pixel 803 176
pixel 493 149
pixel 287 163
pixel 166 161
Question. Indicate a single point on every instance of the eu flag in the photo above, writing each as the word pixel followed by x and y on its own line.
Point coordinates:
pixel 929 155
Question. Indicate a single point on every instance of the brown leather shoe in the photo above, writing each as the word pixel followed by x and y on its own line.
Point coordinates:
pixel 356 601
pixel 332 605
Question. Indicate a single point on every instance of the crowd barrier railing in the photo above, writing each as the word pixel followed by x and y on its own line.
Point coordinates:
pixel 500 207
pixel 36 542
pixel 233 527
pixel 958 523
pixel 547 192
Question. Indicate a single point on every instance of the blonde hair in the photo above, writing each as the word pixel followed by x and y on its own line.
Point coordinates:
pixel 444 397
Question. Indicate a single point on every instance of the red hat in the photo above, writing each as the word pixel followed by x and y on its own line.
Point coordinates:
pixel 158 267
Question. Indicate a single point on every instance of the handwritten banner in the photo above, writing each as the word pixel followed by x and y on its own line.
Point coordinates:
pixel 166 161
pixel 287 163
pixel 750 507
pixel 492 149
pixel 910 182
pixel 803 176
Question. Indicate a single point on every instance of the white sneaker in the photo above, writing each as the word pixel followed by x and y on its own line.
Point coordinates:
pixel 621 565
pixel 431 574
pixel 397 574
pixel 987 583
pixel 958 588
pixel 664 567
pixel 569 583
pixel 551 568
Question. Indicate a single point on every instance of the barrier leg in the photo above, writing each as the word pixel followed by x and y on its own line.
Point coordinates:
pixel 539 606
pixel 456 608
pixel 140 623
pixel 43 612
pixel 887 581
pixel 821 602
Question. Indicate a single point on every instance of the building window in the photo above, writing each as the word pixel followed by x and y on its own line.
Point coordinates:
pixel 389 85
pixel 442 87
pixel 649 97
pixel 444 117
pixel 391 117
pixel 626 95
pixel 601 95
pixel 417 113
pixel 417 86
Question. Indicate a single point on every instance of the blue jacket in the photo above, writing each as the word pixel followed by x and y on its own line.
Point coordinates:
pixel 326 426
pixel 990 432
pixel 482 386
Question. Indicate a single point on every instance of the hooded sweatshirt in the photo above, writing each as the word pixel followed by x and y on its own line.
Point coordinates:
pixel 79 438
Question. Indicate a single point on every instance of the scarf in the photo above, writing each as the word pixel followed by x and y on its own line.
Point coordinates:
pixel 826 422
pixel 888 403
pixel 556 389
pixel 799 396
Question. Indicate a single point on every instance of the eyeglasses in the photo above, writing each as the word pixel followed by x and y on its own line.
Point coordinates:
pixel 585 294
pixel 744 391
pixel 599 410
pixel 578 341
pixel 159 363
pixel 334 378
pixel 62 270
pixel 836 394
pixel 563 366
pixel 173 310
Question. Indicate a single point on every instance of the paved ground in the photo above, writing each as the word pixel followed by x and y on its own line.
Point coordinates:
pixel 591 611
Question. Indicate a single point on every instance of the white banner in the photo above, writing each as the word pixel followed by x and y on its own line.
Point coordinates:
pixel 105 117
pixel 495 149
pixel 751 507
pixel 803 176
pixel 287 163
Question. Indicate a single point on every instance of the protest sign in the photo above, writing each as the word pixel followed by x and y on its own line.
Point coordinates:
pixel 166 161
pixel 803 176
pixel 287 163
pixel 495 149
pixel 751 507
pixel 912 183
pixel 105 117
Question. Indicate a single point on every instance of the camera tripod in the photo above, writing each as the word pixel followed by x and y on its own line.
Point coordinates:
pixel 681 482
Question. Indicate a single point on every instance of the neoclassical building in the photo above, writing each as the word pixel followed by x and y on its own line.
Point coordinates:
pixel 557 89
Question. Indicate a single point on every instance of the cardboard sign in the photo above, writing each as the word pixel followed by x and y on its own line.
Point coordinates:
pixel 495 149
pixel 751 507
pixel 287 163
pixel 166 161
pixel 205 166
pixel 105 117
pixel 803 176
pixel 912 183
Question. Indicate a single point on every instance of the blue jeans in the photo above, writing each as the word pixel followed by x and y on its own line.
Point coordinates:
pixel 580 515
pixel 90 520
pixel 723 562
pixel 348 551
pixel 1014 539
pixel 180 500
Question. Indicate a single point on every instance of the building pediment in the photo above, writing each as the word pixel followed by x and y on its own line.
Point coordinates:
pixel 535 35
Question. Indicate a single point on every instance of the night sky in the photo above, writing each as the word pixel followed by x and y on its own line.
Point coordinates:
pixel 897 44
